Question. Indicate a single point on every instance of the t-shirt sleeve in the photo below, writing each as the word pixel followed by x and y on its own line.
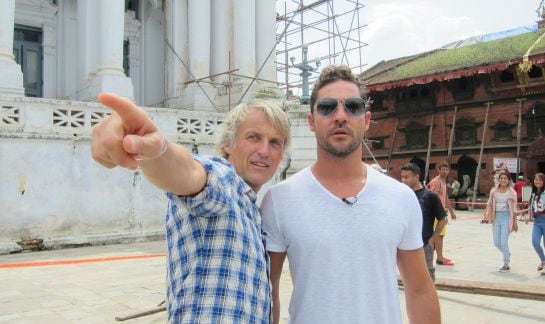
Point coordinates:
pixel 434 185
pixel 274 239
pixel 412 237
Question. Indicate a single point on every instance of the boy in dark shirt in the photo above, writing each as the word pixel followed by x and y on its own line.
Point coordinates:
pixel 431 209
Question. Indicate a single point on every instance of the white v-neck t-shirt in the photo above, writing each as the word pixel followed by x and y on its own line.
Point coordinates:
pixel 342 257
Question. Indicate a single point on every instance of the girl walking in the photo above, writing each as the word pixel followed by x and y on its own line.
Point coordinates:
pixel 500 211
pixel 536 209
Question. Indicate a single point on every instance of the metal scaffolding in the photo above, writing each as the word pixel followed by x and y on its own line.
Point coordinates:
pixel 331 30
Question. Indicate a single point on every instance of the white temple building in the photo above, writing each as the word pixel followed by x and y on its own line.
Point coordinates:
pixel 186 61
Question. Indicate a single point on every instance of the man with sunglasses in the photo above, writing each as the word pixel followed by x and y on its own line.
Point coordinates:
pixel 344 226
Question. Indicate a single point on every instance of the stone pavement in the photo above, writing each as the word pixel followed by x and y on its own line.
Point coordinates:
pixel 113 280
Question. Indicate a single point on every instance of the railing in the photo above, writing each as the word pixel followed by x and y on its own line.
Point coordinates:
pixel 59 118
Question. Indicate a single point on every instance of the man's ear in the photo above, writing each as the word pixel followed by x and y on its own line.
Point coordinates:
pixel 310 120
pixel 227 148
pixel 367 120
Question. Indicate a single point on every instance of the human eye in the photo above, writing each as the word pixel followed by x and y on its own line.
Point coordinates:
pixel 356 106
pixel 252 136
pixel 326 106
pixel 277 143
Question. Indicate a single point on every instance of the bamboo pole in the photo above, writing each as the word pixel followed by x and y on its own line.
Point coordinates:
pixel 149 311
pixel 488 288
pixel 427 169
pixel 452 134
pixel 476 184
pixel 392 147
pixel 519 126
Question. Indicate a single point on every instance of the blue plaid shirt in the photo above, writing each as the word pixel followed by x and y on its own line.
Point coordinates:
pixel 217 268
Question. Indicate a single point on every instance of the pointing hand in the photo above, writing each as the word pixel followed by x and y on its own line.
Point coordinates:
pixel 125 136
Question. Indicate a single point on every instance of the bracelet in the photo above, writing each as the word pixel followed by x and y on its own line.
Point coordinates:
pixel 164 147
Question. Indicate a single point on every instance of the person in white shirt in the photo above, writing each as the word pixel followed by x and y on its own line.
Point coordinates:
pixel 344 226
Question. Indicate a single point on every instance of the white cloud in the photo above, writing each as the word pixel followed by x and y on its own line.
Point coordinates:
pixel 397 28
pixel 409 28
pixel 400 28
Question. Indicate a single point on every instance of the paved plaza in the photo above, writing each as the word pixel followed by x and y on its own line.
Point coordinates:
pixel 96 284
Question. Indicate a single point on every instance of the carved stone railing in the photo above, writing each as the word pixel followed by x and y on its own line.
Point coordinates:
pixel 63 119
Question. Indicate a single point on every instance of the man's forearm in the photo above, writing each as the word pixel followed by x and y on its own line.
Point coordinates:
pixel 423 307
pixel 276 310
pixel 276 266
pixel 176 171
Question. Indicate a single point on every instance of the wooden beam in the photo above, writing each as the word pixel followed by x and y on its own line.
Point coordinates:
pixel 148 311
pixel 519 126
pixel 428 153
pixel 489 288
pixel 145 312
pixel 452 134
pixel 392 147
pixel 478 170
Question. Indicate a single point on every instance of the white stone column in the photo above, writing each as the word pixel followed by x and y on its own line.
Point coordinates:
pixel 266 40
pixel 221 39
pixel 110 31
pixel 176 16
pixel 85 41
pixel 244 36
pixel 199 37
pixel 195 95
pixel 105 29
pixel 11 77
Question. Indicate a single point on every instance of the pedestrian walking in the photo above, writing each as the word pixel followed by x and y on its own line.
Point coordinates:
pixel 536 209
pixel 500 211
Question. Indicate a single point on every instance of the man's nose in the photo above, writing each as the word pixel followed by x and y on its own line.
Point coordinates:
pixel 264 148
pixel 340 113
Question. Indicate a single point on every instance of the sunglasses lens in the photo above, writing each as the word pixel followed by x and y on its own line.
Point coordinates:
pixel 356 106
pixel 326 106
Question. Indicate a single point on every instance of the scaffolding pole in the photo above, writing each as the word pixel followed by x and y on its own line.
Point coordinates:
pixel 451 139
pixel 428 153
pixel 392 147
pixel 477 172
pixel 322 26
pixel 519 126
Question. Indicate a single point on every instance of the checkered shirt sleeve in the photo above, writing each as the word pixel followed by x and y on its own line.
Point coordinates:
pixel 217 268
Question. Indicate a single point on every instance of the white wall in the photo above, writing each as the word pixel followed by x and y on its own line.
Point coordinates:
pixel 52 189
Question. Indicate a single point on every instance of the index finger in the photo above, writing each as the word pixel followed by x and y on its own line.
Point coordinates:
pixel 130 113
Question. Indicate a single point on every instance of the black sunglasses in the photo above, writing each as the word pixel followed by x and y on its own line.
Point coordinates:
pixel 354 106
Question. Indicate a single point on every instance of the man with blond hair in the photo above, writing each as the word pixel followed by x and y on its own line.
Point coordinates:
pixel 217 270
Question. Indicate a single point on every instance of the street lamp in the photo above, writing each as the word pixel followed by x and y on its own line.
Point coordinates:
pixel 306 69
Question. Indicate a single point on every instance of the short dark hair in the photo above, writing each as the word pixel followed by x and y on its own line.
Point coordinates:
pixel 443 164
pixel 331 74
pixel 415 169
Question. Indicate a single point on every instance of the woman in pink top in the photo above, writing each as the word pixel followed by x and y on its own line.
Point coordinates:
pixel 500 211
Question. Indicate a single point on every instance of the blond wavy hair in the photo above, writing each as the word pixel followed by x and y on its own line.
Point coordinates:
pixel 231 124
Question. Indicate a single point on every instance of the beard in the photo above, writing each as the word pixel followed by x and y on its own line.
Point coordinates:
pixel 338 151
